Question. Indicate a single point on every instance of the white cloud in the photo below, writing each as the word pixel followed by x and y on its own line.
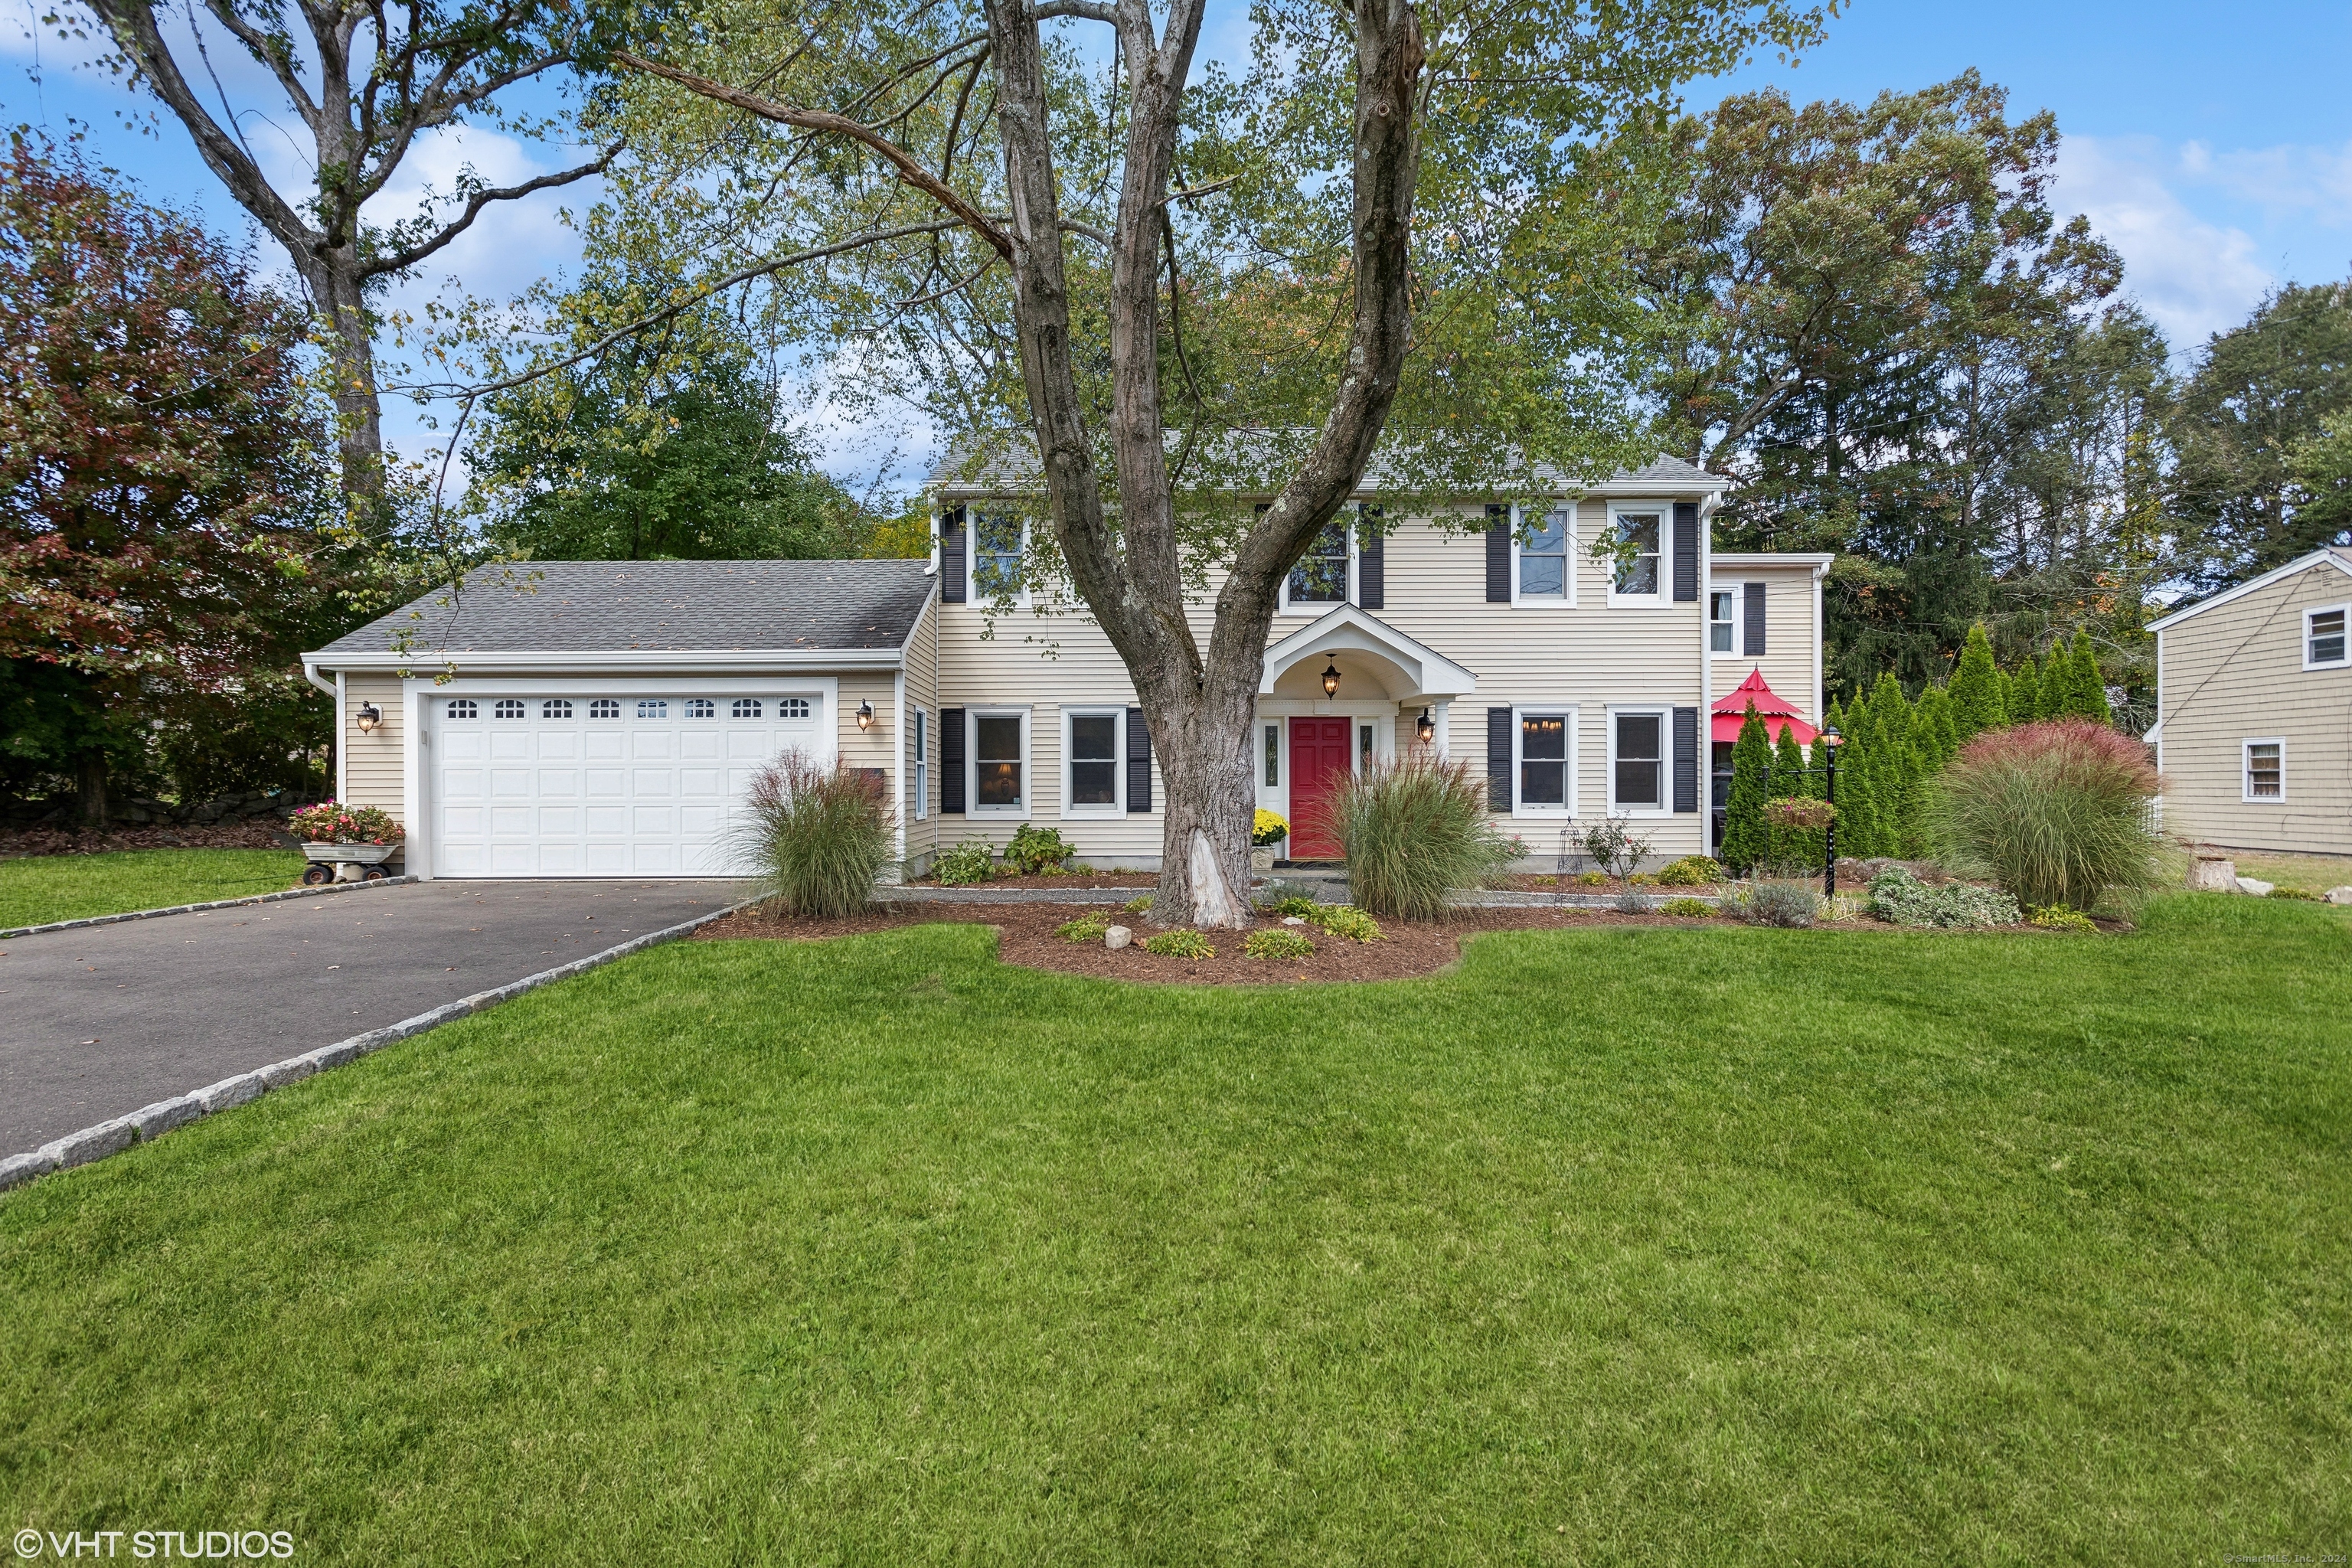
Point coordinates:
pixel 2289 181
pixel 2194 278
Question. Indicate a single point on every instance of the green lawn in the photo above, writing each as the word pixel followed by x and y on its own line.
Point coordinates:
pixel 1684 1245
pixel 37 888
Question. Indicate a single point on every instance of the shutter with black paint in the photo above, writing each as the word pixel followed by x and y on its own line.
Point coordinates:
pixel 1686 759
pixel 1499 795
pixel 1371 558
pixel 1752 614
pixel 952 575
pixel 1499 554
pixel 1138 761
pixel 1685 553
pixel 950 748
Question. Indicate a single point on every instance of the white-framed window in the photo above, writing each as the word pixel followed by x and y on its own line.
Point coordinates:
pixel 2324 646
pixel 919 737
pixel 1723 620
pixel 555 708
pixel 461 707
pixel 1090 761
pixel 604 708
pixel 507 708
pixel 1639 576
pixel 1543 562
pixel 1638 760
pixel 1543 760
pixel 653 707
pixel 998 761
pixel 1325 575
pixel 998 542
pixel 2265 770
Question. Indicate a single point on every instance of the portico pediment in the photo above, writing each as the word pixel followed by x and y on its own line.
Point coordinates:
pixel 1413 670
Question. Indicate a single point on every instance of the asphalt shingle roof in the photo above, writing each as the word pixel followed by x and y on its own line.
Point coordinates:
pixel 703 606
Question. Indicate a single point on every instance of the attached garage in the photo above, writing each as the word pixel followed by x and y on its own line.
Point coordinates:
pixel 589 718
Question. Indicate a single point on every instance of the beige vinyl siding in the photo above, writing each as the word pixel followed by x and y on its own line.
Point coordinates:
pixel 372 762
pixel 876 747
pixel 2235 673
pixel 922 666
pixel 1792 654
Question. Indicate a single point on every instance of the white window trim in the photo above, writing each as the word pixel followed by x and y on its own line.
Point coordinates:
pixel 1665 716
pixel 1733 651
pixel 2345 609
pixel 1118 807
pixel 2246 770
pixel 918 734
pixel 1021 812
pixel 1567 561
pixel 1549 813
pixel 1324 606
pixel 1664 512
pixel 972 591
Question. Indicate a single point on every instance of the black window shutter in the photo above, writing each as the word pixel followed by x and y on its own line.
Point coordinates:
pixel 1499 554
pixel 952 575
pixel 1686 759
pixel 1371 558
pixel 1686 552
pixel 1138 761
pixel 1499 795
pixel 1752 637
pixel 950 748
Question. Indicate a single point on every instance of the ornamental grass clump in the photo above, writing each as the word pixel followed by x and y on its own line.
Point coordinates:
pixel 1415 832
pixel 2057 812
pixel 819 835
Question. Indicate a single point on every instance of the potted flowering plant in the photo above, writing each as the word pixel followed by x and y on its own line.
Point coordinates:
pixel 1266 835
pixel 345 842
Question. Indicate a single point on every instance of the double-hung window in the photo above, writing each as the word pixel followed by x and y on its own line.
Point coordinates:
pixel 1547 573
pixel 1637 759
pixel 2323 637
pixel 1092 748
pixel 1321 578
pixel 1546 763
pixel 1722 620
pixel 918 739
pixel 1637 578
pixel 997 539
pixel 1000 763
pixel 2267 769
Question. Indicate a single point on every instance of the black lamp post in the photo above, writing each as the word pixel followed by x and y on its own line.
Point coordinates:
pixel 1831 740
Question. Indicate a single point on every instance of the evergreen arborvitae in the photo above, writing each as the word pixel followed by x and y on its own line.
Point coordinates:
pixel 2089 687
pixel 1745 839
pixel 1788 843
pixel 1857 818
pixel 2057 685
pixel 1931 727
pixel 1976 690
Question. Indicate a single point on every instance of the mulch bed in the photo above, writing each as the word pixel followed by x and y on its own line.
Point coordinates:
pixel 1142 881
pixel 1025 936
pixel 258 833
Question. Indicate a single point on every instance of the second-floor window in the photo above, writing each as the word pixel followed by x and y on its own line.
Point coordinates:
pixel 1321 575
pixel 1722 618
pixel 1543 558
pixel 2324 637
pixel 1637 560
pixel 996 554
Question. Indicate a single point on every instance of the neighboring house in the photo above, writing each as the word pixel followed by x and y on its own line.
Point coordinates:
pixel 2253 728
pixel 603 723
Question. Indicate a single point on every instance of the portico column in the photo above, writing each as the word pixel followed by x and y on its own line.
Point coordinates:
pixel 1439 742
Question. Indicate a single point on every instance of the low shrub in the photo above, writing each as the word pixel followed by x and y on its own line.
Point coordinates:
pixel 1634 902
pixel 1183 942
pixel 1691 871
pixel 1038 851
pixel 1641 880
pixel 1087 928
pixel 1592 879
pixel 1281 908
pixel 1414 832
pixel 1898 896
pixel 1348 920
pixel 2057 812
pixel 1694 908
pixel 1613 845
pixel 1277 942
pixel 968 863
pixel 2283 891
pixel 819 835
pixel 1136 906
pixel 2058 917
pixel 1773 903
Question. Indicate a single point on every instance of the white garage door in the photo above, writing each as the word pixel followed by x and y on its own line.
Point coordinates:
pixel 604 786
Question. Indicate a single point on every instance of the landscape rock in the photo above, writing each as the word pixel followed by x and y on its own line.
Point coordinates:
pixel 2255 886
pixel 2342 895
pixel 2210 874
pixel 1294 919
pixel 1118 937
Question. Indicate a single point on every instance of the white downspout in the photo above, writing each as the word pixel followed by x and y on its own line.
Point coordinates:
pixel 898 765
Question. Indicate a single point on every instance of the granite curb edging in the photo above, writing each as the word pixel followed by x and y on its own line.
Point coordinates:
pixel 1504 899
pixel 15 931
pixel 111 1137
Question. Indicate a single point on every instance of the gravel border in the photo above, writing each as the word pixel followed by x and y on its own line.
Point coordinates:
pixel 15 931
pixel 154 1121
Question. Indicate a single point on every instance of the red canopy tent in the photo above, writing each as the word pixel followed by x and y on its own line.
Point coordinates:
pixel 1731 711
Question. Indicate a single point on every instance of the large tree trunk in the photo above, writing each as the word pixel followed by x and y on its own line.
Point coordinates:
pixel 90 784
pixel 1203 740
pixel 338 295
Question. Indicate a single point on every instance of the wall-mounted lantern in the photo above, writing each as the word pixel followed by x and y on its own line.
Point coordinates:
pixel 866 715
pixel 367 718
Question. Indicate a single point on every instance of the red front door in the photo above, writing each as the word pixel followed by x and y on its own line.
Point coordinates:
pixel 1319 763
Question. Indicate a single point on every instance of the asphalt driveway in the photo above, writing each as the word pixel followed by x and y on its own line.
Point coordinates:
pixel 99 1022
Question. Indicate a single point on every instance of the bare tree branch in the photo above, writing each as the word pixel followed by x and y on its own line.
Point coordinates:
pixel 404 259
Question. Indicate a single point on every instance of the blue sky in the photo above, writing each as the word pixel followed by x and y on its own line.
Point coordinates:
pixel 2211 144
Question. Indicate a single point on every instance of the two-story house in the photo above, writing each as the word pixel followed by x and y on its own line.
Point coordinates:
pixel 599 719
